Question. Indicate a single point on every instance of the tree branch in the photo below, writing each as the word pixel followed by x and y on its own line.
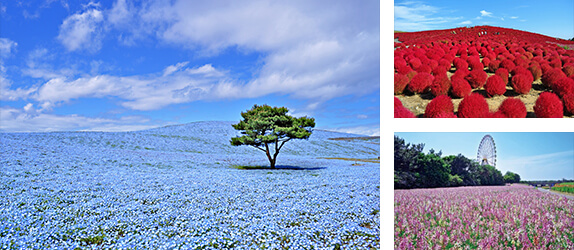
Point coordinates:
pixel 258 148
pixel 283 143
pixel 276 149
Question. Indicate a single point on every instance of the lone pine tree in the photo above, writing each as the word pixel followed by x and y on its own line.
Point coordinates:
pixel 266 128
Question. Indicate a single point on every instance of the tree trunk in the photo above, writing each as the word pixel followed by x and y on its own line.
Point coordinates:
pixel 272 163
pixel 271 160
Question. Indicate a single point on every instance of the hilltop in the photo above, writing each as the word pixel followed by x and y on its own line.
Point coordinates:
pixel 210 138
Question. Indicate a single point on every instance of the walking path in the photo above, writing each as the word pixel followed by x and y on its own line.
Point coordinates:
pixel 563 195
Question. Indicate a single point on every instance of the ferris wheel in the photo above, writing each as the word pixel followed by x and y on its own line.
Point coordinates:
pixel 486 151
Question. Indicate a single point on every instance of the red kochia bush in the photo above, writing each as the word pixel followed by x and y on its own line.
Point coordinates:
pixel 520 70
pixel 568 69
pixel 402 112
pixel 568 101
pixel 438 105
pixel 485 61
pixel 433 64
pixel 415 63
pixel 522 83
pixel 474 63
pixel 398 102
pixel 507 64
pixel 535 70
pixel 521 61
pixel 403 70
pixel 563 87
pixel 548 105
pixel 476 78
pixel 460 63
pixel 424 68
pixel 420 83
pixel 460 87
pixel 503 73
pixel 496 114
pixel 555 62
pixel 400 62
pixel 495 86
pixel 494 65
pixel 440 85
pixel 401 82
pixel 473 106
pixel 444 64
pixel 512 108
pixel 446 115
pixel 552 76
pixel 545 66
pixel 411 74
pixel 438 71
pixel 461 73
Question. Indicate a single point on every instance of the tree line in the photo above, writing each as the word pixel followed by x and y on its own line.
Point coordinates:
pixel 415 169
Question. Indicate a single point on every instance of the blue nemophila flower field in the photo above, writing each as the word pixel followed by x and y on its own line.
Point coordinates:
pixel 185 187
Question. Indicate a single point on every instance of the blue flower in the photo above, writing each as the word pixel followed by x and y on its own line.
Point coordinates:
pixel 176 187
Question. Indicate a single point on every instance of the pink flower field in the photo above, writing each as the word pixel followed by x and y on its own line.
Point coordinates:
pixel 493 217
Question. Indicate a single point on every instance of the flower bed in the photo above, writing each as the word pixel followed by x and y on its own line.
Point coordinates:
pixel 529 64
pixel 497 217
pixel 178 187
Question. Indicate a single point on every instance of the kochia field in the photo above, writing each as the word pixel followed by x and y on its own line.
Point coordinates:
pixel 493 217
pixel 483 72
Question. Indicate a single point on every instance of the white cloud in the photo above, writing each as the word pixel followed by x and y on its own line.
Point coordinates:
pixel 369 130
pixel 312 50
pixel 257 25
pixel 206 70
pixel 468 22
pixel 140 92
pixel 308 50
pixel 555 165
pixel 120 12
pixel 539 160
pixel 29 108
pixel 39 66
pixel 124 17
pixel 17 120
pixel 414 11
pixel 29 15
pixel 59 89
pixel 7 46
pixel 173 68
pixel 82 31
pixel 9 94
pixel 485 13
pixel 36 56
pixel 513 17
pixel 416 16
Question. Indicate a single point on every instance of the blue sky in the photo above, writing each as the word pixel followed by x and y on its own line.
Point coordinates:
pixel 127 65
pixel 534 156
pixel 551 18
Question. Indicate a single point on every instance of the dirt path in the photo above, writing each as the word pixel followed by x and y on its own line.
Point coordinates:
pixel 560 194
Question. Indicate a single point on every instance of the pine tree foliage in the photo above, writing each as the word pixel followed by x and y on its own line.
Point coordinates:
pixel 269 128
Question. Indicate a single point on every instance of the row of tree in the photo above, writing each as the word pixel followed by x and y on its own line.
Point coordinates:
pixel 415 169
